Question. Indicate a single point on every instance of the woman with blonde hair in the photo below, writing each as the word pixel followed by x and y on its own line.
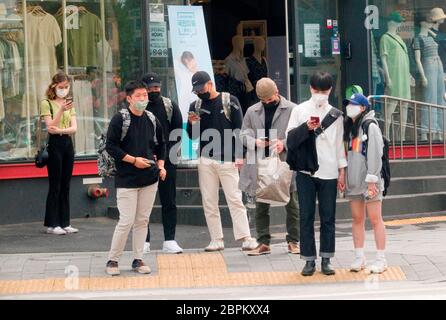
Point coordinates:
pixel 60 119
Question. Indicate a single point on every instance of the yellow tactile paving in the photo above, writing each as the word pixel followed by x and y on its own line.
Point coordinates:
pixel 188 271
pixel 413 221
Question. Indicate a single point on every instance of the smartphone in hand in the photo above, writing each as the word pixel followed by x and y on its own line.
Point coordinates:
pixel 316 120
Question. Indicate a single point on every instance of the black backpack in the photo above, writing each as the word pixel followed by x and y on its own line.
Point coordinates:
pixel 385 170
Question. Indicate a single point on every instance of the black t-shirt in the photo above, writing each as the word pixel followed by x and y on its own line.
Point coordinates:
pixel 269 116
pixel 213 117
pixel 139 142
pixel 159 110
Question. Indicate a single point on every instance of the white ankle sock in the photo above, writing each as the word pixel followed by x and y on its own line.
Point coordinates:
pixel 380 255
pixel 359 252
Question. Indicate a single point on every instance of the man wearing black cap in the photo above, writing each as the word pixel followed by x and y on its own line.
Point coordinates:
pixel 216 119
pixel 169 115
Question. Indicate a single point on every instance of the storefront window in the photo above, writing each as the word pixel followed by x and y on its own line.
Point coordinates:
pixel 408 53
pixel 100 47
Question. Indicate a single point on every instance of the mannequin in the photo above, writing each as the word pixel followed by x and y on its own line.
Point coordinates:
pixel 236 68
pixel 438 17
pixel 257 64
pixel 235 64
pixel 431 72
pixel 396 66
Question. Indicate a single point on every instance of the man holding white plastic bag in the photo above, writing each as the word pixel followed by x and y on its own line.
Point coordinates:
pixel 264 135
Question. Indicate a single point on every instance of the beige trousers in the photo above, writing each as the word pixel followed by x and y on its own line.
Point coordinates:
pixel 211 173
pixel 135 207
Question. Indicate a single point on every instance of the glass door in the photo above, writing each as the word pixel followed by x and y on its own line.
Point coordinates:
pixel 315 40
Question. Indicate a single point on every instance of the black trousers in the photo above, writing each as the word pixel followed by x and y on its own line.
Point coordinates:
pixel 167 193
pixel 308 188
pixel 60 170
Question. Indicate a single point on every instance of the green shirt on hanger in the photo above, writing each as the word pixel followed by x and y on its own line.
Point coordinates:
pixel 83 41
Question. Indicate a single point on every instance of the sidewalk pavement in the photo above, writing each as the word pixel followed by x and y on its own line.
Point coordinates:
pixel 414 253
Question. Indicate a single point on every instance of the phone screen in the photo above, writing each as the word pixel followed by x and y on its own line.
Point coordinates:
pixel 315 119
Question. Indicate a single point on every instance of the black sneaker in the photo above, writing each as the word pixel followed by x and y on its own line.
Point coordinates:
pixel 309 269
pixel 112 268
pixel 327 268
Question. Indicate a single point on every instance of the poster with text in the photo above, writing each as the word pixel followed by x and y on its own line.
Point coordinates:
pixel 190 51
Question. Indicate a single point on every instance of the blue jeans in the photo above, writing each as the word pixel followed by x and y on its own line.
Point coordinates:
pixel 433 93
pixel 326 191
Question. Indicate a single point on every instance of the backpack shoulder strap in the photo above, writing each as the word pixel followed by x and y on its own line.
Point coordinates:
pixel 329 119
pixel 365 129
pixel 227 104
pixel 126 119
pixel 169 108
pixel 152 118
pixel 198 104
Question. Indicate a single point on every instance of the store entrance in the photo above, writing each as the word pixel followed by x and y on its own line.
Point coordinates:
pixel 256 27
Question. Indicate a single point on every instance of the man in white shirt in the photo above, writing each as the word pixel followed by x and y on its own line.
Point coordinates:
pixel 329 177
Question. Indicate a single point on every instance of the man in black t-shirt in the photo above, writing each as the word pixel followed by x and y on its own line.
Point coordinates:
pixel 216 119
pixel 169 115
pixel 139 155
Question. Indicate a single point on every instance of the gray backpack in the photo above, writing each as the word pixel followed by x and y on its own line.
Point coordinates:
pixel 226 97
pixel 106 163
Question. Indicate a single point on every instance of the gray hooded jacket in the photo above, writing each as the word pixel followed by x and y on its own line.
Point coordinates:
pixel 361 169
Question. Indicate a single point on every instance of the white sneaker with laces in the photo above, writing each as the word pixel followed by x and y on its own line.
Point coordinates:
pixel 358 264
pixel 70 229
pixel 57 231
pixel 215 245
pixel 172 247
pixel 146 247
pixel 379 266
pixel 249 244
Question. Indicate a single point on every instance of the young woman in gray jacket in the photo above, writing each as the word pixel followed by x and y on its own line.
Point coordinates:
pixel 364 184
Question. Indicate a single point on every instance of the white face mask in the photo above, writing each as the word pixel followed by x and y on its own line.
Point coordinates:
pixel 353 111
pixel 320 99
pixel 62 93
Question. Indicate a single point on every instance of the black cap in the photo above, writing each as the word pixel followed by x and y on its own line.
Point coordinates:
pixel 151 80
pixel 199 80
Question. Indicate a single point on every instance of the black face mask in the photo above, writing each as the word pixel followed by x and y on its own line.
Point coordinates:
pixel 271 104
pixel 204 96
pixel 153 96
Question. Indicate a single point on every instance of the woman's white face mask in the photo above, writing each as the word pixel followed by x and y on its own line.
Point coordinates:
pixel 62 93
pixel 353 111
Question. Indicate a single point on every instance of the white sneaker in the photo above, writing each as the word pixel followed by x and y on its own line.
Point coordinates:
pixel 379 266
pixel 358 265
pixel 57 231
pixel 249 244
pixel 70 229
pixel 146 247
pixel 171 247
pixel 215 245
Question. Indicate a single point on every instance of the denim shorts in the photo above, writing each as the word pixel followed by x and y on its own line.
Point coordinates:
pixel 361 197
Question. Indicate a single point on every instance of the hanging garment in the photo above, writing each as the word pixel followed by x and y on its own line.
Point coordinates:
pixel 83 39
pixel 108 54
pixel 43 36
pixel 83 103
pixel 2 105
pixel 15 68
